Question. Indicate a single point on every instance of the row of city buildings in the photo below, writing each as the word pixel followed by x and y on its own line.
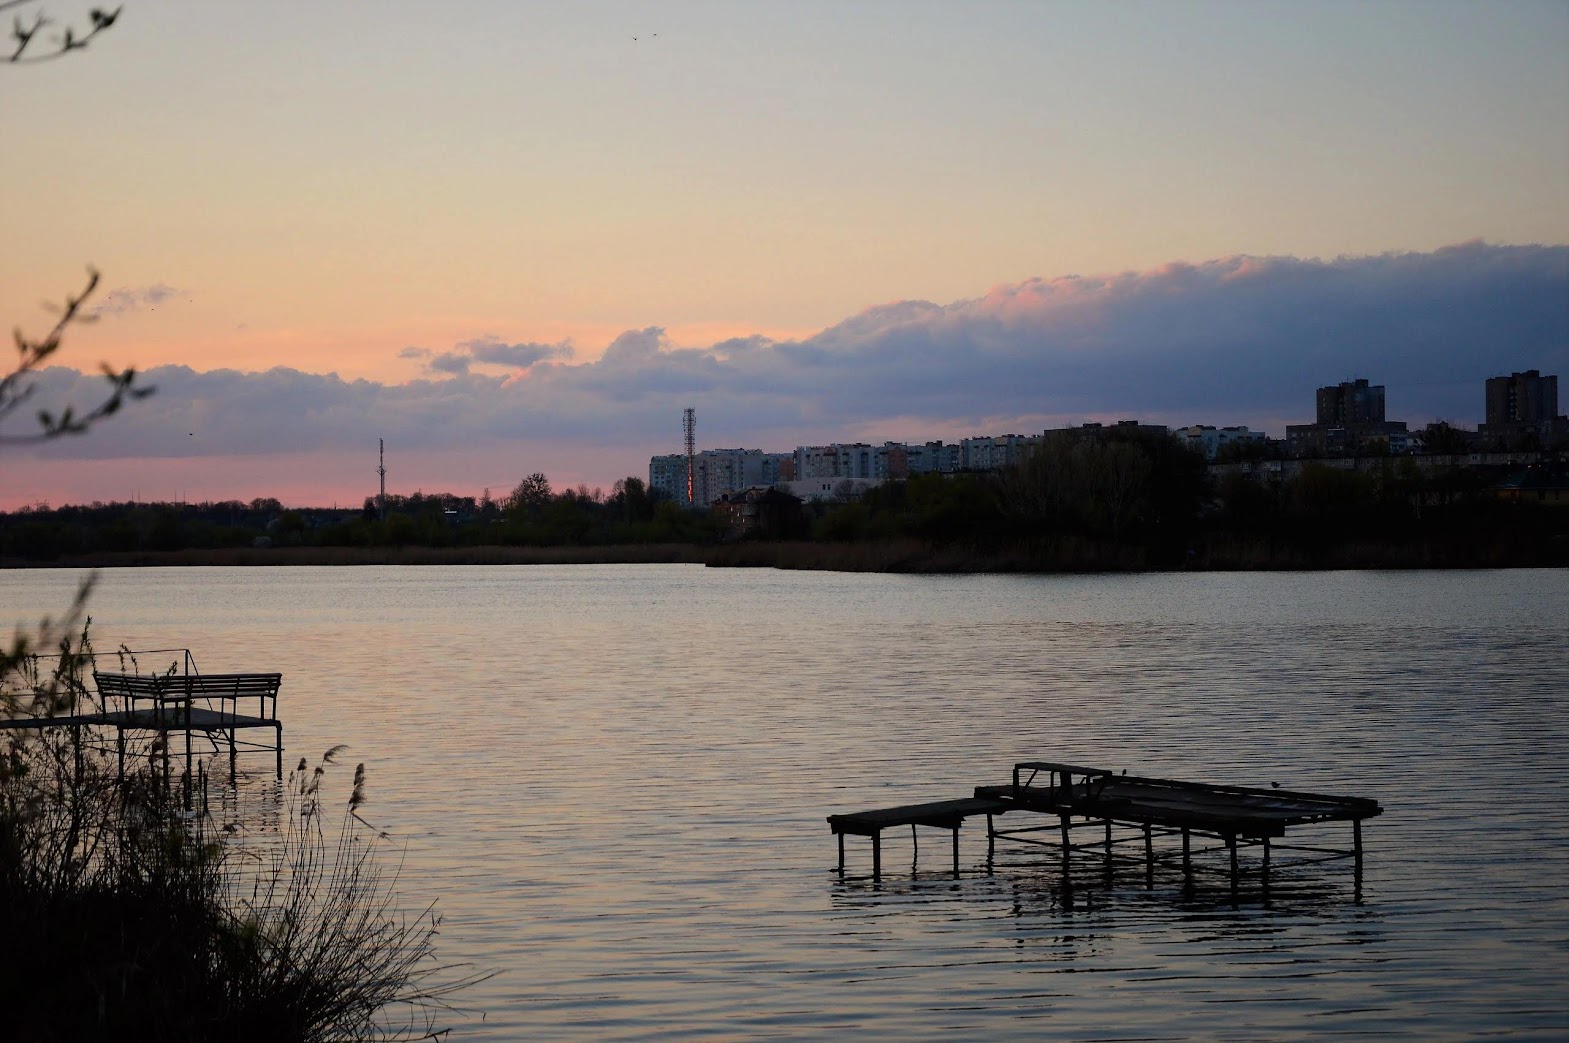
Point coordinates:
pixel 1350 420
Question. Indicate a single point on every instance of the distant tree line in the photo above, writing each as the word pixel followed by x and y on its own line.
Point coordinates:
pixel 1115 500
pixel 533 514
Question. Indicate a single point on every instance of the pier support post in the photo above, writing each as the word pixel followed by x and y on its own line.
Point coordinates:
pixel 1231 845
pixel 1067 850
pixel 877 855
pixel 991 839
pixel 1356 848
pixel 278 728
pixel 1149 858
pixel 188 781
pixel 1108 849
pixel 841 852
pixel 956 852
pixel 1265 873
pixel 1187 862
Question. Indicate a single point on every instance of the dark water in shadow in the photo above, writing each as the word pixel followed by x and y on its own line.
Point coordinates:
pixel 615 780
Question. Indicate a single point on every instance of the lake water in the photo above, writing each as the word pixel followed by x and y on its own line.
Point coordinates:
pixel 615 780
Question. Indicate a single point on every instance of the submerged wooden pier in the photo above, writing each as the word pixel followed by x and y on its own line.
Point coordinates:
pixel 1121 810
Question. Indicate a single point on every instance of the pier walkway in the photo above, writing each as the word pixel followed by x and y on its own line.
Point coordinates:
pixel 1152 809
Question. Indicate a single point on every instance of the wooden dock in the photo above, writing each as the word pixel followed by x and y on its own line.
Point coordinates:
pixel 941 814
pixel 192 702
pixel 1143 809
pixel 179 703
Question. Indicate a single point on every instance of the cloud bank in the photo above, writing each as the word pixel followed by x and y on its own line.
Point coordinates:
pixel 125 300
pixel 488 350
pixel 1235 340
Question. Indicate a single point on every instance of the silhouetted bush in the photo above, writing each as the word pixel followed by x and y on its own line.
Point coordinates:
pixel 125 916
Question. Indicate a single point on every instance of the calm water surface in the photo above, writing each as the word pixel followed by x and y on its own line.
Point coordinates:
pixel 615 780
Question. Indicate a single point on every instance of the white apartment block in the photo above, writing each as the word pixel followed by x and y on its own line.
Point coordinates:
pixel 716 472
pixel 935 458
pixel 1207 439
pixel 822 469
pixel 993 454
pixel 667 475
pixel 852 460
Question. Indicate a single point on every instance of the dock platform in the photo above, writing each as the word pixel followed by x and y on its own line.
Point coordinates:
pixel 179 702
pixel 941 814
pixel 1080 797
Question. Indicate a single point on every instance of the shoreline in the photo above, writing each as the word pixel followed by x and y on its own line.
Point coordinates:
pixel 628 554
pixel 891 556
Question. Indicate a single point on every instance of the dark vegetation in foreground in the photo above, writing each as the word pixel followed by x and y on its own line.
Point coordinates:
pixel 1122 501
pixel 126 916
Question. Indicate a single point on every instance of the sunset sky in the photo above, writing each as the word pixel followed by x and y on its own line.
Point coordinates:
pixel 513 237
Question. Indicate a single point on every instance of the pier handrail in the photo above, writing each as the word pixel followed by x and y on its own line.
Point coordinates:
pixel 181 690
pixel 1059 779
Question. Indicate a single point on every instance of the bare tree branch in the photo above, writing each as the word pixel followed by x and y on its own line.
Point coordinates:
pixel 17 386
pixel 25 33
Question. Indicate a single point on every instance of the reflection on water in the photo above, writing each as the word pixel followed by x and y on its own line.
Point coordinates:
pixel 615 779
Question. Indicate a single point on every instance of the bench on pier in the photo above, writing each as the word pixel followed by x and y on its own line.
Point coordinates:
pixel 180 693
pixel 169 702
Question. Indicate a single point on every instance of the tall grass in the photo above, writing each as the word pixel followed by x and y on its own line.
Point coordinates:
pixel 126 916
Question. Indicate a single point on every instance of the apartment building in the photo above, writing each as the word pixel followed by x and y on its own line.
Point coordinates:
pixel 716 472
pixel 1209 440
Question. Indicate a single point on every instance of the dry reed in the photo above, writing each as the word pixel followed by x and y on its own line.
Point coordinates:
pixel 127 916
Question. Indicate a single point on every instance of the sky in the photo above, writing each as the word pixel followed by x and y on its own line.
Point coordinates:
pixel 509 238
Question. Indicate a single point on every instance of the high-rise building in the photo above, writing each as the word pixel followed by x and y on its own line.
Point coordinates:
pixel 1350 403
pixel 1350 420
pixel 1522 410
pixel 1521 398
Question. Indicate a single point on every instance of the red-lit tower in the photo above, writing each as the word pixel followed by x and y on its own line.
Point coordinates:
pixel 689 425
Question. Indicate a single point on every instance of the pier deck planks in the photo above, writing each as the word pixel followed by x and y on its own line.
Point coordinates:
pixel 943 814
pixel 1239 810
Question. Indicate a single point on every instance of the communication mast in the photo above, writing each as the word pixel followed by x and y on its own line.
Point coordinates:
pixel 381 469
pixel 689 425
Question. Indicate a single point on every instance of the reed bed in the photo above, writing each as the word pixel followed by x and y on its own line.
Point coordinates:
pixel 127 914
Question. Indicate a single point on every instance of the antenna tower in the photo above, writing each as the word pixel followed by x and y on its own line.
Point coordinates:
pixel 381 469
pixel 689 426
